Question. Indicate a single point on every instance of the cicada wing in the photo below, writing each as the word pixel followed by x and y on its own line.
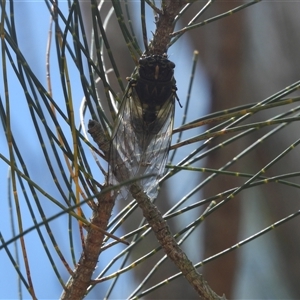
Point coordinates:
pixel 137 152
pixel 125 154
pixel 141 140
pixel 155 157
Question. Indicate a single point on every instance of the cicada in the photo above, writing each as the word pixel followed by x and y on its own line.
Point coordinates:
pixel 143 129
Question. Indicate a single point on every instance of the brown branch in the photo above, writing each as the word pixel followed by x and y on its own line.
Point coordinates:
pixel 77 285
pixel 165 25
pixel 170 246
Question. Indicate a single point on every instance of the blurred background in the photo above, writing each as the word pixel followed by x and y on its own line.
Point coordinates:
pixel 243 58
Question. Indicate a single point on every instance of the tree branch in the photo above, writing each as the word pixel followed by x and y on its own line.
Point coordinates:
pixel 165 25
pixel 170 246
pixel 78 283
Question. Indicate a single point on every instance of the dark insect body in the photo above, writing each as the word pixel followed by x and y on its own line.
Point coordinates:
pixel 152 92
pixel 143 129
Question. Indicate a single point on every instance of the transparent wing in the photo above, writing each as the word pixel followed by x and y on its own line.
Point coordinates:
pixel 137 150
pixel 123 163
pixel 154 158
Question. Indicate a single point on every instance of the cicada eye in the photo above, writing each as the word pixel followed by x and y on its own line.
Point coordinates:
pixel 168 65
pixel 142 61
pixel 146 61
pixel 171 65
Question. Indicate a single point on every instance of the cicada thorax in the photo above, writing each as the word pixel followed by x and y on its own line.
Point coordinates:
pixel 153 88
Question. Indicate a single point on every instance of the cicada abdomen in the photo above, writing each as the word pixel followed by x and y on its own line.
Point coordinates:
pixel 143 129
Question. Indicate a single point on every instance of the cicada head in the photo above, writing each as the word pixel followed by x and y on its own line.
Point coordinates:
pixel 156 68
